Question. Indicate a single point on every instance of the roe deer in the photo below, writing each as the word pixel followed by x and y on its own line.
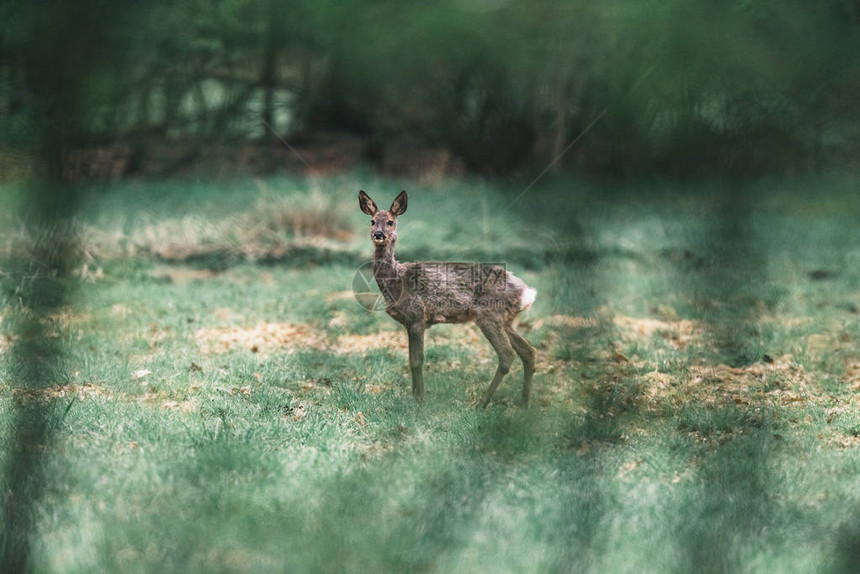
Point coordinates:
pixel 418 295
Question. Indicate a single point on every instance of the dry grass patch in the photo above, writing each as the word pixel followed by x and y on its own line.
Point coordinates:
pixel 362 343
pixel 680 334
pixel 270 228
pixel 79 392
pixel 851 377
pixel 189 406
pixel 785 321
pixel 781 380
pixel 263 338
pixel 339 296
pixel 313 214
pixel 266 338
pixel 566 321
pixel 782 370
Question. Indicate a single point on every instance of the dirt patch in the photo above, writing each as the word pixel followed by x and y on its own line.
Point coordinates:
pixel 781 370
pixel 781 380
pixel 852 375
pixel 679 334
pixel 266 338
pixel 263 338
pixel 362 343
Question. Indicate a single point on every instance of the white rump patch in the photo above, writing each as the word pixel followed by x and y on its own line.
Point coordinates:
pixel 527 297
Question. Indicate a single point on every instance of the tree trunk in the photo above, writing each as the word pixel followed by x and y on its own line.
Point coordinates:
pixel 560 127
pixel 268 78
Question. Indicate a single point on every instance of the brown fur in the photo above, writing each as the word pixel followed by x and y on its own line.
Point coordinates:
pixel 419 295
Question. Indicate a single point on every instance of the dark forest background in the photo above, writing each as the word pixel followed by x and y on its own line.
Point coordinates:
pixel 680 88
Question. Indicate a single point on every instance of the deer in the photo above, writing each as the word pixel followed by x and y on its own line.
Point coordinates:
pixel 422 294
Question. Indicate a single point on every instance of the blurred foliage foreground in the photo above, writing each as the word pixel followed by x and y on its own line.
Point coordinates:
pixel 190 386
pixel 682 87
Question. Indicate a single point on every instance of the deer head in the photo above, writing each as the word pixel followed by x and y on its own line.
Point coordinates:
pixel 383 224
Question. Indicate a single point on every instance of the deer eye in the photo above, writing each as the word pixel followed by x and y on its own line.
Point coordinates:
pixel 390 223
pixel 372 222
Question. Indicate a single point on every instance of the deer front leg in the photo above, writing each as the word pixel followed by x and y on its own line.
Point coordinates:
pixel 416 360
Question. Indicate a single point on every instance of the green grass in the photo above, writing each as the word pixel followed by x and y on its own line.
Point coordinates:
pixel 228 407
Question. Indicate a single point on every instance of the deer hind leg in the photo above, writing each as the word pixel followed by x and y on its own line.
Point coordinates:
pixel 495 334
pixel 528 355
pixel 416 360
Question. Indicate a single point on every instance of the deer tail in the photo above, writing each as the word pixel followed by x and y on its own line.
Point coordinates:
pixel 527 297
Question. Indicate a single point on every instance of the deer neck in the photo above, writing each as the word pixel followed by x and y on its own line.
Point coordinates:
pixel 385 267
pixel 388 273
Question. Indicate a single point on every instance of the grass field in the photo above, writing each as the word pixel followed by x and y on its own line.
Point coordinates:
pixel 225 405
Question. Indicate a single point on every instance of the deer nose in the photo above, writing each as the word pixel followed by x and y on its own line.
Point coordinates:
pixel 378 235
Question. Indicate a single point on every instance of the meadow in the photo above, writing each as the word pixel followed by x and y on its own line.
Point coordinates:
pixel 224 404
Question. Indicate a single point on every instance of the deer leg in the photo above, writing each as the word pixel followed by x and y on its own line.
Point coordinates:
pixel 495 334
pixel 416 360
pixel 528 355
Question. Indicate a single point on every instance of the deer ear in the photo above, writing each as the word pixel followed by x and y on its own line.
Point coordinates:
pixel 366 204
pixel 398 206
